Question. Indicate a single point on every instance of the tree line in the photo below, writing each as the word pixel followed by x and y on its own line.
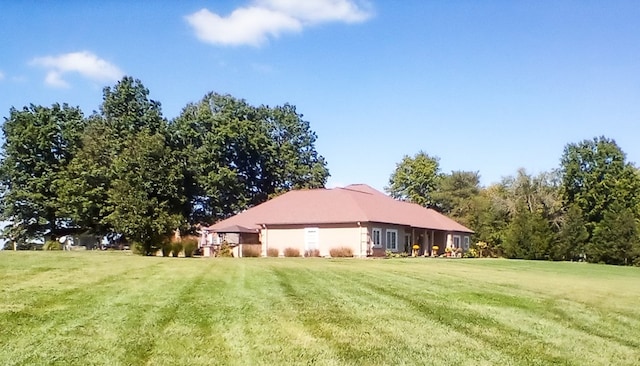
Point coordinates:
pixel 586 209
pixel 126 171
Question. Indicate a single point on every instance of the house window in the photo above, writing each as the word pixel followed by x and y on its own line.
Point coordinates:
pixel 376 237
pixel 466 243
pixel 456 241
pixel 392 239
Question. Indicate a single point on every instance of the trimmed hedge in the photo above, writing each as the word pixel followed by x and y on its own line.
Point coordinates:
pixel 291 252
pixel 273 252
pixel 341 252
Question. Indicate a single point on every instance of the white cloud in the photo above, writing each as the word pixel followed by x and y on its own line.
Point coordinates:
pixel 1 75
pixel 255 24
pixel 84 63
pixel 317 11
pixel 54 78
pixel 244 26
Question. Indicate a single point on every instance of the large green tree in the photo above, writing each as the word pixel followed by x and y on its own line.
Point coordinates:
pixel 572 237
pixel 123 166
pixel 528 236
pixel 521 215
pixel 597 178
pixel 39 143
pixel 126 171
pixel 415 179
pixel 456 195
pixel 145 197
pixel 615 238
pixel 235 155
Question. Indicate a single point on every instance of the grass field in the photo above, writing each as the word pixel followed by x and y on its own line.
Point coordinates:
pixel 84 308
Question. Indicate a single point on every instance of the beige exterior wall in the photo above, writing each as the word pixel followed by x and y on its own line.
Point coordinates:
pixel 328 237
pixel 425 238
pixel 400 230
pixel 357 237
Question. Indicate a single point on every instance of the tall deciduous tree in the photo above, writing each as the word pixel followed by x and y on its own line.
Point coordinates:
pixel 85 183
pixel 123 166
pixel 39 143
pixel 597 178
pixel 522 216
pixel 145 196
pixel 127 171
pixel 456 195
pixel 415 179
pixel 235 155
pixel 490 219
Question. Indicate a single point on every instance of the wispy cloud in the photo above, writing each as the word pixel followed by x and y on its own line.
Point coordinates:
pixel 1 76
pixel 253 25
pixel 320 11
pixel 84 63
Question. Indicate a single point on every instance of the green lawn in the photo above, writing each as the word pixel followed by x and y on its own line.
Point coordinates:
pixel 85 308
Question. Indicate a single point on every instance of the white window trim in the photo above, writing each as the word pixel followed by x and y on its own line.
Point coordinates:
pixel 373 236
pixel 386 241
pixel 459 241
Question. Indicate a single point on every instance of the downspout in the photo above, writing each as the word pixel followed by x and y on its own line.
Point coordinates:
pixel 360 238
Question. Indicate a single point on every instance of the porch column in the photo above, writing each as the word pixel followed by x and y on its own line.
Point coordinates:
pixel 433 239
pixel 413 238
pixel 449 240
pixel 264 235
pixel 426 245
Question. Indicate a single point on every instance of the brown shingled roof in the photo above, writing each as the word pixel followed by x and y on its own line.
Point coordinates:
pixel 354 203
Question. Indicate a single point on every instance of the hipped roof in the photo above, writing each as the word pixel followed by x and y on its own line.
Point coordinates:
pixel 351 204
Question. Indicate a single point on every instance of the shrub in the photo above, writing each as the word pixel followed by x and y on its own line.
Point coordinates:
pixel 471 253
pixel 273 252
pixel 190 246
pixel 166 249
pixel 225 250
pixel 341 252
pixel 251 251
pixel 52 245
pixel 312 253
pixel 291 252
pixel 139 248
pixel 176 248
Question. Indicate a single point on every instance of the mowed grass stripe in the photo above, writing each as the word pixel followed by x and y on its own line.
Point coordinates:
pixel 119 309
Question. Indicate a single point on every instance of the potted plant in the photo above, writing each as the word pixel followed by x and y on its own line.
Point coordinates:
pixel 447 251
pixel 434 250
pixel 415 248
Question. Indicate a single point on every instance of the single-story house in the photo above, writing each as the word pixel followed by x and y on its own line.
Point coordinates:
pixel 357 216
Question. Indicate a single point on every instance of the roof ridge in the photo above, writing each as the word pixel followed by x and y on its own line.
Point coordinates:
pixel 355 202
pixel 354 190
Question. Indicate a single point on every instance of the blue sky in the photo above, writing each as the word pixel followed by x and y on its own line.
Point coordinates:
pixel 487 86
